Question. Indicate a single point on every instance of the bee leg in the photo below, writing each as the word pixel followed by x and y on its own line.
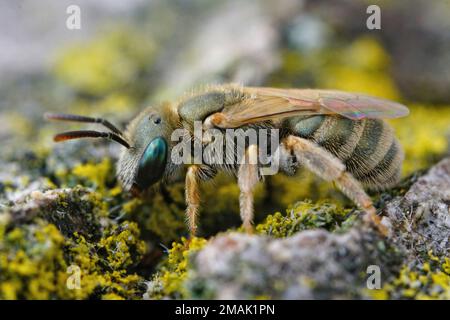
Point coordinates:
pixel 247 179
pixel 192 198
pixel 353 189
pixel 328 167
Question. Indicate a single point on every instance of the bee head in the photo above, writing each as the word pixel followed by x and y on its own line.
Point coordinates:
pixel 144 159
pixel 145 162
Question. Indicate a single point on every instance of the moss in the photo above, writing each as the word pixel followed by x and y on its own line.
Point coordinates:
pixel 307 215
pixel 42 237
pixel 169 282
pixel 162 219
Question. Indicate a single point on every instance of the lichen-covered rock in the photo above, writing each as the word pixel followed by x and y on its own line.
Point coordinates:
pixel 38 262
pixel 48 238
pixel 313 264
pixel 288 260
pixel 424 279
pixel 72 211
pixel 421 218
pixel 420 226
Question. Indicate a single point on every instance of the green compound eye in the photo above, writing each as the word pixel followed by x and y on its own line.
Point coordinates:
pixel 152 164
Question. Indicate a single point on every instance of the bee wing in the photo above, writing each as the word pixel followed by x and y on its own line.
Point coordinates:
pixel 271 103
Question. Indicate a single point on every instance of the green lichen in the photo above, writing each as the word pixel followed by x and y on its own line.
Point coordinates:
pixel 307 215
pixel 162 220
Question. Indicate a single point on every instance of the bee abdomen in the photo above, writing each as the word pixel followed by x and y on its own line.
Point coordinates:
pixel 367 147
pixel 339 135
pixel 387 172
pixel 377 158
pixel 336 134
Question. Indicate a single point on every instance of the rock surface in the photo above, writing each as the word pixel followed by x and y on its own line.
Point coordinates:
pixel 313 264
pixel 421 219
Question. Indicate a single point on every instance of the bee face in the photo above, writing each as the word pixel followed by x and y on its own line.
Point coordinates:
pixel 145 162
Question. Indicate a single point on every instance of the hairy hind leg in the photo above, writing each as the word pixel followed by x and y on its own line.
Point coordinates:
pixel 247 179
pixel 192 198
pixel 327 166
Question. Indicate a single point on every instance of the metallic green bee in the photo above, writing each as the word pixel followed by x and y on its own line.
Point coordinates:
pixel 339 136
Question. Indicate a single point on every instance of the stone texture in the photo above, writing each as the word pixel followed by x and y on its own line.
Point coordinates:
pixel 421 219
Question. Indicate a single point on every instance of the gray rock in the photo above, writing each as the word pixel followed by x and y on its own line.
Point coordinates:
pixel 313 264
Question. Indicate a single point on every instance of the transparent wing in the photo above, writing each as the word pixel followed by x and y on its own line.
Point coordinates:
pixel 271 103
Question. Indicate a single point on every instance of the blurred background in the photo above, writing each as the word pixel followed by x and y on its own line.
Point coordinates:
pixel 130 54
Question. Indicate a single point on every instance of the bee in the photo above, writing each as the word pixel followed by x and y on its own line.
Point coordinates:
pixel 339 136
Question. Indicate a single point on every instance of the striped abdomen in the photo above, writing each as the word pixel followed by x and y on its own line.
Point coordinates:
pixel 368 147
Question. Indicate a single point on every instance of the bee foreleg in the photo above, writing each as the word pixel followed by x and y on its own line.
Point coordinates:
pixel 327 166
pixel 192 198
pixel 248 177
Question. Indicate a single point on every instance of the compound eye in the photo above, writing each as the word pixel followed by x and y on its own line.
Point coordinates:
pixel 152 163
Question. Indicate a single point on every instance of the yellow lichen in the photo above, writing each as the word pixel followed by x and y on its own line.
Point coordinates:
pixel 118 244
pixel 306 215
pixel 96 174
pixel 175 270
pixel 431 280
pixel 35 260
pixel 31 262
